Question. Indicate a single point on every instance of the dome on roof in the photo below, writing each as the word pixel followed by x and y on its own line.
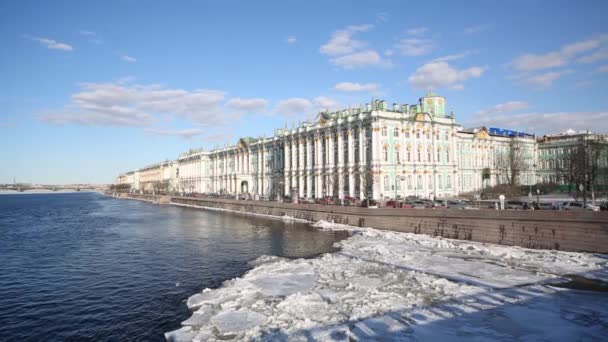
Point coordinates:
pixel 430 94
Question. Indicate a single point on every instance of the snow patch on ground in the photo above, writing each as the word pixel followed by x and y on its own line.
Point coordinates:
pixel 397 286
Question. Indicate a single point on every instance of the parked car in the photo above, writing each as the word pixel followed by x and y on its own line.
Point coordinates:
pixel 369 204
pixel 545 206
pixel 592 207
pixel 604 206
pixel 515 205
pixel 419 204
pixel 572 206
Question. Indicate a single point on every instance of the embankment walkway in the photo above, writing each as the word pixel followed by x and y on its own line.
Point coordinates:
pixel 580 231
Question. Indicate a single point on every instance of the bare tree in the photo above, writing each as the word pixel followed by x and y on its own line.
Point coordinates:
pixel 510 162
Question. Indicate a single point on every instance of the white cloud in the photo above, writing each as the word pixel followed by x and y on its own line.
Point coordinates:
pixel 342 42
pixel 455 56
pixel 125 104
pixel 475 29
pixel 293 106
pixel 440 74
pixel 360 59
pixel 128 59
pixel 551 122
pixel 52 44
pixel 291 39
pixel 543 80
pixel 417 31
pixel 326 103
pixel 350 86
pixel 92 36
pixel 601 70
pixel 247 105
pixel 415 46
pixel 553 59
pixel 183 133
pixel 506 107
pixel 594 57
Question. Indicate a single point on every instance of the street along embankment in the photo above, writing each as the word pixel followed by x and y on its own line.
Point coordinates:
pixel 580 231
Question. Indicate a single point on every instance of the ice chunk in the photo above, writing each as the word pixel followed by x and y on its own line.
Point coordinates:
pixel 184 334
pixel 378 328
pixel 286 281
pixel 210 298
pixel 199 317
pixel 235 321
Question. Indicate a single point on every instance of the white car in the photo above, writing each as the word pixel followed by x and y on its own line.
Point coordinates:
pixel 592 207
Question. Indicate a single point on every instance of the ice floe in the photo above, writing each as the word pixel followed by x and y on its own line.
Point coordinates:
pixel 396 286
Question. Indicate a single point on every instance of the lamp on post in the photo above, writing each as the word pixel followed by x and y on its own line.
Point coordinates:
pixel 537 196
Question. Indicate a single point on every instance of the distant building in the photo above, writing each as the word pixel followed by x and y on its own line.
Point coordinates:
pixel 375 150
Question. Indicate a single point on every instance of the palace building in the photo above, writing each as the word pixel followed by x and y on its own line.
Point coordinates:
pixel 376 150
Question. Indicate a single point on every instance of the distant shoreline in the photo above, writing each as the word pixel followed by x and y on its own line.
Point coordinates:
pixel 41 192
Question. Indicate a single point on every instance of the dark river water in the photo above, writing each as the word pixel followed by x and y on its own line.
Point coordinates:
pixel 85 267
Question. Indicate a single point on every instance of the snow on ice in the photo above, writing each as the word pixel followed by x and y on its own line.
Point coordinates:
pixel 398 286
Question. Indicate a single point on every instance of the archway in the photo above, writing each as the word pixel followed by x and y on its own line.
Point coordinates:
pixel 244 187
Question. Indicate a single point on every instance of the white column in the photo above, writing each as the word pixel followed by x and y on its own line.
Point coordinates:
pixel 309 169
pixel 341 173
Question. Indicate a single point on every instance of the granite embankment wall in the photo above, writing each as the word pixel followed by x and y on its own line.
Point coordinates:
pixel 583 231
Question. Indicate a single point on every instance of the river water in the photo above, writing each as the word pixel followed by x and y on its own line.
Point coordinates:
pixel 86 267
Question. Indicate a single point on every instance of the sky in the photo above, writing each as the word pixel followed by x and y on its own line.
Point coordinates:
pixel 92 89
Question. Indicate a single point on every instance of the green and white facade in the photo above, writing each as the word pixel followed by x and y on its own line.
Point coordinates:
pixel 376 150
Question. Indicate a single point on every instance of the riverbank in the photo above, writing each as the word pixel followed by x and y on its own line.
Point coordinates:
pixel 578 231
pixel 388 285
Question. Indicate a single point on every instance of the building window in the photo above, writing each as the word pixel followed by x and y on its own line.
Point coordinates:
pixel 439 182
pixel 407 133
pixel 396 132
pixel 448 182
pixel 409 155
pixel 417 134
pixel 430 182
pixel 385 153
pixel 383 131
pixel 397 183
pixel 419 183
pixel 447 155
pixel 438 155
pixel 387 183
pixel 409 182
pixel 397 155
pixel 428 154
pixel 419 154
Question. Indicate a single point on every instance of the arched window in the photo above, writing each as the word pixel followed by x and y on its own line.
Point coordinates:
pixel 409 182
pixel 428 154
pixel 396 132
pixel 387 183
pixel 447 155
pixel 397 183
pixel 407 133
pixel 409 154
pixel 385 153
pixel 439 182
pixel 448 182
pixel 430 182
pixel 438 155
pixel 419 154
pixel 418 134
pixel 419 183
pixel 397 154
pixel 384 131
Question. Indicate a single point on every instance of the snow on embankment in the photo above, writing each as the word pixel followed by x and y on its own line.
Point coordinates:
pixel 389 285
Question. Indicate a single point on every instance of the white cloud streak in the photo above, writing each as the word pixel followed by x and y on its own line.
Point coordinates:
pixel 434 75
pixel 342 42
pixel 51 44
pixel 125 104
pixel 247 105
pixel 415 46
pixel 182 133
pixel 506 107
pixel 353 87
pixel 128 59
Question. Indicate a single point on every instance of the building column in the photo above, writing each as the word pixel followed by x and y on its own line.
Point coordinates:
pixel 287 168
pixel 341 172
pixel 309 169
pixel 330 166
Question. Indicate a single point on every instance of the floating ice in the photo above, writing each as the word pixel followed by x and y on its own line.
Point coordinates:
pixel 397 286
pixel 235 321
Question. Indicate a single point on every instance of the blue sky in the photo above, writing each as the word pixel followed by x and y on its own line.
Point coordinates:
pixel 91 89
